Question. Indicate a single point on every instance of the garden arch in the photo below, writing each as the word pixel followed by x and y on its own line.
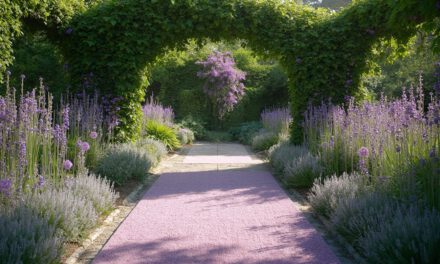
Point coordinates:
pixel 323 53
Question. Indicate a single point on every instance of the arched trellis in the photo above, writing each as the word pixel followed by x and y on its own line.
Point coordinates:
pixel 323 53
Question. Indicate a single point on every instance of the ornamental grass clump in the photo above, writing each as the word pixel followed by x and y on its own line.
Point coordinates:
pixel 98 190
pixel 327 193
pixel 155 148
pixel 411 236
pixel 185 136
pixel 302 171
pixel 26 237
pixel 124 162
pixel 163 133
pixel 283 153
pixel 72 214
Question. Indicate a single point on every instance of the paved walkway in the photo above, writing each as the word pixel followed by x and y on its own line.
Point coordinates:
pixel 217 204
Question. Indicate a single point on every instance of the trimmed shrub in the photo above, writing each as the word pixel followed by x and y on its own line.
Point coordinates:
pixel 283 153
pixel 71 213
pixel 155 148
pixel 162 133
pixel 264 140
pixel 27 238
pixel 326 194
pixel 98 190
pixel 411 236
pixel 123 162
pixel 302 171
pixel 353 218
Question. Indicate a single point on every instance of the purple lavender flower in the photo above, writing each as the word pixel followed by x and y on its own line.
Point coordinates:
pixel 67 164
pixel 41 181
pixel 5 186
pixel 93 135
pixel 363 152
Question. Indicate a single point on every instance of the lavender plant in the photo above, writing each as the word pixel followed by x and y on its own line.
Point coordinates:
pixel 153 110
pixel 68 212
pixel 224 82
pixel 302 171
pixel 276 120
pixel 326 194
pixel 25 237
pixel 155 148
pixel 382 139
pixel 98 190
pixel 124 162
pixel 283 153
pixel 411 236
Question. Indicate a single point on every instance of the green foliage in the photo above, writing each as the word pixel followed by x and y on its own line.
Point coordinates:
pixel 217 136
pixel 195 125
pixel 245 132
pixel 162 133
pixel 124 162
pixel 27 238
pixel 263 140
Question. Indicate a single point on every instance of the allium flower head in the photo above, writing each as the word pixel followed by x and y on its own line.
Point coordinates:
pixel 67 164
pixel 85 146
pixel 363 152
pixel 93 135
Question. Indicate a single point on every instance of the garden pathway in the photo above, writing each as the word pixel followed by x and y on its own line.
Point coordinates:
pixel 216 204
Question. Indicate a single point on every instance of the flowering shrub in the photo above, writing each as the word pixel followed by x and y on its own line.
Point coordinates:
pixel 124 162
pixel 224 82
pixel 26 237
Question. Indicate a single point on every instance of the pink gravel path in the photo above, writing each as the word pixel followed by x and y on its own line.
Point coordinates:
pixel 214 215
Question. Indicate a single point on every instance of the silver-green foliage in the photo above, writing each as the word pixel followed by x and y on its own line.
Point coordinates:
pixel 353 218
pixel 326 194
pixel 302 171
pixel 64 209
pixel 155 148
pixel 264 140
pixel 411 236
pixel 124 162
pixel 283 153
pixel 185 135
pixel 25 237
pixel 98 190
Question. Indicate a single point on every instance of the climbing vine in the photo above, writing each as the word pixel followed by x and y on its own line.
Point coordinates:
pixel 324 53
